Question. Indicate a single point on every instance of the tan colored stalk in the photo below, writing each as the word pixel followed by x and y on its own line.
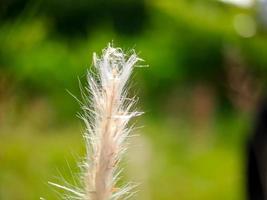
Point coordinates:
pixel 107 111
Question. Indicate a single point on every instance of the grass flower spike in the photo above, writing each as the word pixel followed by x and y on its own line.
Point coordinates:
pixel 107 111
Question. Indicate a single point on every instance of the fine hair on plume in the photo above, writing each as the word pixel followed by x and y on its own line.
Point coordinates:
pixel 107 110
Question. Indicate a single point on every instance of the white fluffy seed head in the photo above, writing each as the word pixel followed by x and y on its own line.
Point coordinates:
pixel 106 112
pixel 108 126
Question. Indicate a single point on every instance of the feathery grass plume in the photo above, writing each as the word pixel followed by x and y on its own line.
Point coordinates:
pixel 106 112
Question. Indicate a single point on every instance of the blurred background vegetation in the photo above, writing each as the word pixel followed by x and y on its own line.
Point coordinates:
pixel 207 69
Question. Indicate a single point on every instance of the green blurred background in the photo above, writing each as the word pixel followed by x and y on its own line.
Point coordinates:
pixel 207 69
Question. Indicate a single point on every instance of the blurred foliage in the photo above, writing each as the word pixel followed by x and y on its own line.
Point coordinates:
pixel 46 45
pixel 195 129
pixel 173 165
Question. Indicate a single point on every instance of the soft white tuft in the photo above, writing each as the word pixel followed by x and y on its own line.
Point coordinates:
pixel 106 112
